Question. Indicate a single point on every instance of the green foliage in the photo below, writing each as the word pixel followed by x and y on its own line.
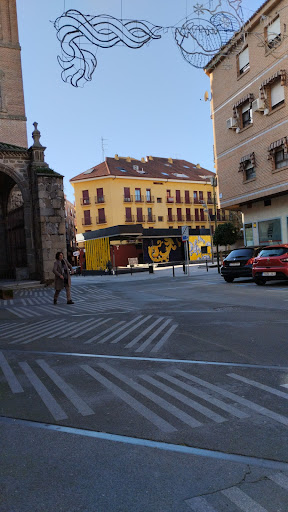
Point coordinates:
pixel 225 234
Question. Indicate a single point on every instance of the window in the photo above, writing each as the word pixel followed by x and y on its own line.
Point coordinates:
pixel 195 197
pixel 101 216
pixel 277 94
pixel 273 33
pixel 248 234
pixel 210 213
pixel 148 195
pixel 209 197
pixel 159 199
pixel 170 217
pixel 187 197
pixel 196 214
pixel 249 171
pixel 270 231
pixel 160 219
pixel 246 117
pixel 149 215
pixel 87 218
pixel 127 197
pixel 201 196
pixel 243 61
pixel 128 215
pixel 139 214
pixel 281 159
pixel 202 214
pixel 267 202
pixel 188 214
pixel 170 199
pixel 138 194
pixel 85 197
pixel 100 195
pixel 178 196
pixel 179 214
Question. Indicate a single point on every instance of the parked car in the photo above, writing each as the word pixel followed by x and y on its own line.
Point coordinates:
pixel 239 263
pixel 271 263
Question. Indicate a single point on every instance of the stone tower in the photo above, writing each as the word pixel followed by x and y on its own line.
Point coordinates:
pixel 12 109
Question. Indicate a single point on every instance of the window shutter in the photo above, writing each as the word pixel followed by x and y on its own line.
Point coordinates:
pixel 277 93
pixel 273 30
pixel 245 107
pixel 127 192
pixel 244 58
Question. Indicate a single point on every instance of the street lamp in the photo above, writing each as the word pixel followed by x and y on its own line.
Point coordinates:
pixel 213 182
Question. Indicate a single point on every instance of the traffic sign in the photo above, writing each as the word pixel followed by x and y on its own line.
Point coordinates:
pixel 185 233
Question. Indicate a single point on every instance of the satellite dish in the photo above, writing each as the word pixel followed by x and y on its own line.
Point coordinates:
pixel 206 96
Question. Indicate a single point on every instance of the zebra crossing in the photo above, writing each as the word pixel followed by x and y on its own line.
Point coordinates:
pixel 239 500
pixel 148 333
pixel 165 399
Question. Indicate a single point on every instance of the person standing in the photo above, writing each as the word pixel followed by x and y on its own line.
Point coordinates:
pixel 61 270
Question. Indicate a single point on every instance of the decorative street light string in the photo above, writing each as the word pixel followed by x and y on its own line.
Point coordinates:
pixel 204 33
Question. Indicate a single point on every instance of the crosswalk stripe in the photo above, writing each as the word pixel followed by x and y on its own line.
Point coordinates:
pixel 78 403
pixel 172 409
pixel 119 338
pixel 280 479
pixel 66 330
pixel 242 500
pixel 27 329
pixel 10 376
pixel 9 302
pixel 164 338
pixel 57 412
pixel 44 331
pixel 97 322
pixel 259 385
pixel 109 336
pixel 199 504
pixel 8 328
pixel 135 404
pixel 81 330
pixel 143 333
pixel 243 401
pixel 153 336
pixel 184 399
pixel 215 401
pixel 97 336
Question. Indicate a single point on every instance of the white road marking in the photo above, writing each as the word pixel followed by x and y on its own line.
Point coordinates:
pixel 143 333
pixel 242 500
pixel 153 336
pixel 11 378
pixel 280 479
pixel 164 338
pixel 132 329
pixel 199 504
pixel 259 385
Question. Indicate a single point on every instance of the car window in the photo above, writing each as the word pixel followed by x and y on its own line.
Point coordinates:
pixel 273 251
pixel 241 254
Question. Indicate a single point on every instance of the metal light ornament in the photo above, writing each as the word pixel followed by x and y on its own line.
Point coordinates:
pixel 198 39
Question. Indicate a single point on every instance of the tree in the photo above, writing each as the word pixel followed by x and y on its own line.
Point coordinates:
pixel 225 234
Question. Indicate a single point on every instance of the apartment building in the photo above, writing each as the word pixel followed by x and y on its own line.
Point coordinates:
pixel 249 110
pixel 154 192
pixel 70 227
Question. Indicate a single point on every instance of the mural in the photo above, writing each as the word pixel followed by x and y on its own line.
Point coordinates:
pixel 195 244
pixel 97 253
pixel 164 250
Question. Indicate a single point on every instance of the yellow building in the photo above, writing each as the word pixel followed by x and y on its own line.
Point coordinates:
pixel 154 192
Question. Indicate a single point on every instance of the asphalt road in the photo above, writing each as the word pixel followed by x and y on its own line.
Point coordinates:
pixel 149 394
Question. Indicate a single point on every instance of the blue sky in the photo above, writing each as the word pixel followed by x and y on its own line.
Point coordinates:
pixel 142 102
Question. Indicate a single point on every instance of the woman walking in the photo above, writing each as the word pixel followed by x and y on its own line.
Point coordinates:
pixel 61 270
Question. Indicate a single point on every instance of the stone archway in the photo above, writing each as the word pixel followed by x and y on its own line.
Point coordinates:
pixel 13 254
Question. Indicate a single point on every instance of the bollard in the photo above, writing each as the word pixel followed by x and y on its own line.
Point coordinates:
pixel 184 269
pixel 131 269
pixel 173 271
pixel 206 265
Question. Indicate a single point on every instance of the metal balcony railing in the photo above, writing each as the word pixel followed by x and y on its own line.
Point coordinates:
pixel 86 222
pixel 179 200
pixel 85 201
pixel 149 199
pixel 171 218
pixel 128 199
pixel 101 220
pixel 99 199
pixel 151 218
pixel 169 199
pixel 130 219
pixel 139 199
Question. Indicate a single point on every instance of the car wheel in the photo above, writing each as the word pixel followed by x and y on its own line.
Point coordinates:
pixel 229 279
pixel 260 281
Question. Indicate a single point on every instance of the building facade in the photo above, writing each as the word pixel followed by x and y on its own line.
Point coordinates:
pixel 32 226
pixel 70 227
pixel 250 115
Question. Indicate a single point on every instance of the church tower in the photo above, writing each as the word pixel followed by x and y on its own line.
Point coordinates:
pixel 12 109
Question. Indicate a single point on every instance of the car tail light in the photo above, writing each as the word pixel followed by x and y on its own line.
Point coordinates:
pixel 285 260
pixel 250 262
pixel 224 263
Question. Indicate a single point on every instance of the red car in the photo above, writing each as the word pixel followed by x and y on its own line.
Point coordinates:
pixel 271 263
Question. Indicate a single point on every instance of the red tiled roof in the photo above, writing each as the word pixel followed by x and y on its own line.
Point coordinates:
pixel 153 167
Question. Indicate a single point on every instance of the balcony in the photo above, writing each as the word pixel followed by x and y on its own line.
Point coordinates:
pixel 85 201
pixel 179 200
pixel 139 199
pixel 149 199
pixel 169 199
pixel 197 201
pixel 188 200
pixel 130 219
pixel 140 219
pixel 151 219
pixel 101 220
pixel 209 200
pixel 86 222
pixel 171 218
pixel 128 199
pixel 99 199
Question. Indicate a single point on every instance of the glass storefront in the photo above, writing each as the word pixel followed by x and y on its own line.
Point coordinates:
pixel 270 232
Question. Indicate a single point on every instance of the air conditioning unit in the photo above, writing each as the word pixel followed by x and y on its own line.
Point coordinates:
pixel 258 105
pixel 266 111
pixel 231 124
